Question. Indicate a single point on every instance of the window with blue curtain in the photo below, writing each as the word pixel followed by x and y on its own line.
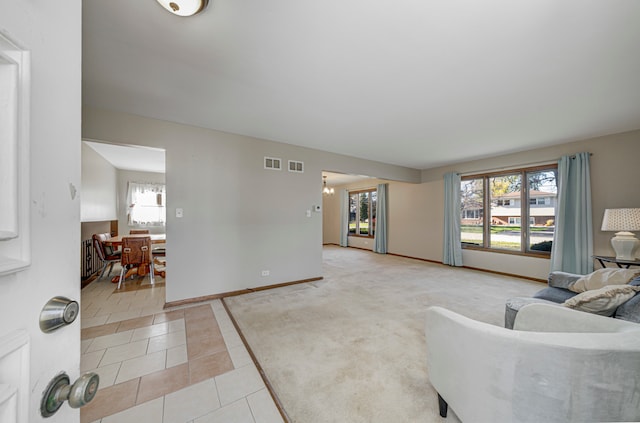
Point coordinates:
pixel 452 250
pixel 380 237
pixel 573 241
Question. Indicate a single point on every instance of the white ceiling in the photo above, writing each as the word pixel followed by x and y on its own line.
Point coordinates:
pixel 143 159
pixel 146 159
pixel 415 83
pixel 342 178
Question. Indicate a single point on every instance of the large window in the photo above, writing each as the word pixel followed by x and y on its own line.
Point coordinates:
pixel 520 210
pixel 146 204
pixel 362 213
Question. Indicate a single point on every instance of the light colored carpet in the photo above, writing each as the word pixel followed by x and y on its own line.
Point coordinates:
pixel 350 348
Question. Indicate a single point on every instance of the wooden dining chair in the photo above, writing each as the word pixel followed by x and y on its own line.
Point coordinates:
pixel 136 253
pixel 138 231
pixel 105 253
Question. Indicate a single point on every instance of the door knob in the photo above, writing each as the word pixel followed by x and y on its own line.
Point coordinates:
pixel 59 390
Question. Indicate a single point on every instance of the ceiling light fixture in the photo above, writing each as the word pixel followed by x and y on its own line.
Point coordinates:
pixel 325 189
pixel 184 7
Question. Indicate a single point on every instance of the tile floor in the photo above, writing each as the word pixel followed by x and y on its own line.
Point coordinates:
pixel 183 365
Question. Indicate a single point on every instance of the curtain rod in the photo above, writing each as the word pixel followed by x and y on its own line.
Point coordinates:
pixel 499 169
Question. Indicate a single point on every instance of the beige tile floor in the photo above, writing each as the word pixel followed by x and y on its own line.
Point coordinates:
pixel 183 365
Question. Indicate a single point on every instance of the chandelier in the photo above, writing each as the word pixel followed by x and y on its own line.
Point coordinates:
pixel 325 189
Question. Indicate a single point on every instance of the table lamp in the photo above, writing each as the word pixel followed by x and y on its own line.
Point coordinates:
pixel 623 221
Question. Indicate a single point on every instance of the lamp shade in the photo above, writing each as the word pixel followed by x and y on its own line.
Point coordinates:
pixel 184 7
pixel 621 220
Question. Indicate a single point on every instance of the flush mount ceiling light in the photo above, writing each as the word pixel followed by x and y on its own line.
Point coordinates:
pixel 184 7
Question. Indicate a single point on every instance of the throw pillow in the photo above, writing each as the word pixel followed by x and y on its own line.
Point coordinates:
pixel 603 301
pixel 604 277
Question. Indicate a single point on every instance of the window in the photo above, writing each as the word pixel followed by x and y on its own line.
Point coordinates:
pixel 147 205
pixel 517 220
pixel 362 213
pixel 540 201
pixel 471 214
pixel 472 201
pixel 503 234
pixel 530 195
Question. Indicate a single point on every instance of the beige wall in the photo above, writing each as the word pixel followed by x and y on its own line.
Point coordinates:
pixel 98 192
pixel 331 218
pixel 239 219
pixel 409 205
pixel 613 184
pixel 89 228
pixel 416 210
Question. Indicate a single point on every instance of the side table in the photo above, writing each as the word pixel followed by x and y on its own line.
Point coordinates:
pixel 623 264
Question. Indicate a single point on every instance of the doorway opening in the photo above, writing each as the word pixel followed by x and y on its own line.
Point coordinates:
pixel 123 192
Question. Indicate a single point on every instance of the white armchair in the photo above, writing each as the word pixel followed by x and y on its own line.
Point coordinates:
pixel 556 365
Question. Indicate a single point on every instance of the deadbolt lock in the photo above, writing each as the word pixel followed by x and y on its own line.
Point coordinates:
pixel 58 312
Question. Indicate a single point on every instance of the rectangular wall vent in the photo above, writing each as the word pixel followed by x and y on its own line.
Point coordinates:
pixel 295 166
pixel 272 163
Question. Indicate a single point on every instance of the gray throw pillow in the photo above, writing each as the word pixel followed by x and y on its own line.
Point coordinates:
pixel 630 310
pixel 558 279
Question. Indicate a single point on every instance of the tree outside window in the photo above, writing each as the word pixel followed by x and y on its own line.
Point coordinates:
pixel 504 234
pixel 472 204
pixel 362 213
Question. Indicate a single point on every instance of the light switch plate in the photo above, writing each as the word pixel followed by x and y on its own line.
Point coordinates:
pixel 179 212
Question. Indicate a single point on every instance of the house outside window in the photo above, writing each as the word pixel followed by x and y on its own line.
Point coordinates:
pixel 517 220
pixel 146 204
pixel 540 201
pixel 362 213
pixel 508 199
pixel 471 214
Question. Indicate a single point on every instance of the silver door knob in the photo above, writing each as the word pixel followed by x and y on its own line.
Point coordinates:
pixel 59 390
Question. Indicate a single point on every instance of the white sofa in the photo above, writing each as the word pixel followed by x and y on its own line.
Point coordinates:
pixel 556 365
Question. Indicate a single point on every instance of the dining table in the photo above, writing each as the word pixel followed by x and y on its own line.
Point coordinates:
pixel 116 241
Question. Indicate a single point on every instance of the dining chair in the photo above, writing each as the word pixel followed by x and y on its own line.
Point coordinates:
pixel 136 252
pixel 138 231
pixel 105 253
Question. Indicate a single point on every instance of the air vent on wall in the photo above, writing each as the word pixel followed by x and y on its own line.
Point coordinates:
pixel 272 163
pixel 295 166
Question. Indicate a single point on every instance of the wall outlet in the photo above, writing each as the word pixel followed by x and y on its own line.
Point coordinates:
pixel 265 273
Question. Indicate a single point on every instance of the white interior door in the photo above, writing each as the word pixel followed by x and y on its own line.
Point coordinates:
pixel 40 115
pixel 14 382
